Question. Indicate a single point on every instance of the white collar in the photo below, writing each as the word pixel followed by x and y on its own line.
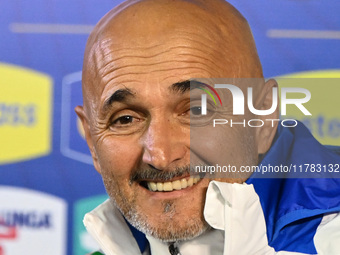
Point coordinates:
pixel 108 227
pixel 229 208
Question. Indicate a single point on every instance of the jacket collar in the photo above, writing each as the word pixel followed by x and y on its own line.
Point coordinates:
pixel 109 228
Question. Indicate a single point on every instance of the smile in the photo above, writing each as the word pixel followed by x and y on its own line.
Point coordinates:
pixel 174 185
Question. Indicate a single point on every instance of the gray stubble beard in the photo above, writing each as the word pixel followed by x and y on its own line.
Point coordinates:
pixel 167 232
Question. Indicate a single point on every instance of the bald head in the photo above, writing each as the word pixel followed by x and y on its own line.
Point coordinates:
pixel 148 33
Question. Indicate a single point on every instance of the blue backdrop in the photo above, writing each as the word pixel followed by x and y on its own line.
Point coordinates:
pixel 47 181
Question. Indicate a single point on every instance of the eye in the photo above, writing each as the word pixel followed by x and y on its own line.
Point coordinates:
pixel 196 117
pixel 127 122
pixel 124 120
pixel 196 110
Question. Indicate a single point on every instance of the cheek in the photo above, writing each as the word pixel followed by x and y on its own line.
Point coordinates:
pixel 212 144
pixel 118 155
pixel 223 146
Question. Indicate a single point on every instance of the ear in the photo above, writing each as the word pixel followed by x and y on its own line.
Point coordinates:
pixel 266 134
pixel 86 126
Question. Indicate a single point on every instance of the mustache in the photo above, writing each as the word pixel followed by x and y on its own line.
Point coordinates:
pixel 151 173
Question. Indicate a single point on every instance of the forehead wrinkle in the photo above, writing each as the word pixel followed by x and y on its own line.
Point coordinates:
pixel 115 78
pixel 201 58
pixel 135 53
pixel 188 74
pixel 185 43
pixel 163 66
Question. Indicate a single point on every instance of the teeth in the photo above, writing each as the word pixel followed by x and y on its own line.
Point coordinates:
pixel 184 183
pixel 175 185
pixel 167 186
pixel 153 186
pixel 190 182
pixel 160 186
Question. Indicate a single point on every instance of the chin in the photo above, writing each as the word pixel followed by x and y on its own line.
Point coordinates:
pixel 172 231
pixel 167 216
pixel 168 226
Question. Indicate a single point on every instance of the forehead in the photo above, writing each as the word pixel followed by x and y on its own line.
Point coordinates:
pixel 146 64
pixel 160 44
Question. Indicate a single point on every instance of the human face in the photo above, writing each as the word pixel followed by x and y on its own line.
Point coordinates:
pixel 140 134
pixel 137 125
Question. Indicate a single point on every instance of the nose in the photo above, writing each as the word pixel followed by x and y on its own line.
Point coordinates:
pixel 165 143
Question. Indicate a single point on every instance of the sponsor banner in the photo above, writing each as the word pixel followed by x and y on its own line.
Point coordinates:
pixel 83 242
pixel 72 141
pixel 25 114
pixel 324 85
pixel 32 222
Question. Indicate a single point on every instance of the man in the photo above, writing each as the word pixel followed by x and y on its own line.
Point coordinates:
pixel 138 65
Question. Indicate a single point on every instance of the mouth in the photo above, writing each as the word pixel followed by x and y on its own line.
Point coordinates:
pixel 169 186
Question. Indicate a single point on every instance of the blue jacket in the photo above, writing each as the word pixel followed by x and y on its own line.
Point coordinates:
pixel 296 210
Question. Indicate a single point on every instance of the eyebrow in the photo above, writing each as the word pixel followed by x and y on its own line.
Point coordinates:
pixel 184 86
pixel 119 95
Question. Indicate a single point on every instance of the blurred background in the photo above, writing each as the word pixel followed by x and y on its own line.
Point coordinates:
pixel 47 181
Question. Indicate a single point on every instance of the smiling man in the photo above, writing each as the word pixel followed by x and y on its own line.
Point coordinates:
pixel 138 64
